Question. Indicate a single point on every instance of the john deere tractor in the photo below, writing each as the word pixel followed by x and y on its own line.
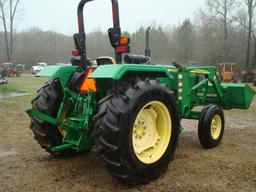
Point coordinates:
pixel 131 111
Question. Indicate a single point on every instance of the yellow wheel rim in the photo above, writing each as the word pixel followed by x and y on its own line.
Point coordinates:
pixel 152 132
pixel 216 125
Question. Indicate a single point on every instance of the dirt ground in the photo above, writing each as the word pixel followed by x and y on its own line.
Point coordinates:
pixel 24 166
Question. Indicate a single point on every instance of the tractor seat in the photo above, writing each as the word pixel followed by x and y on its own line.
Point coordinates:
pixel 137 59
pixel 105 61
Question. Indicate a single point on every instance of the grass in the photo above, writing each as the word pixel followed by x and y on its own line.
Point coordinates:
pixel 26 83
pixel 9 88
pixel 230 167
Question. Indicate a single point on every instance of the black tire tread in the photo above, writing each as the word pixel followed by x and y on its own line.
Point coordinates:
pixel 112 135
pixel 204 135
pixel 48 102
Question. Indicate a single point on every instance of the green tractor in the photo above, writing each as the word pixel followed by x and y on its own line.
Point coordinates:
pixel 131 111
pixel 20 68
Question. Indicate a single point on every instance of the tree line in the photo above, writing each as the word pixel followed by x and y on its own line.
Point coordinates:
pixel 221 31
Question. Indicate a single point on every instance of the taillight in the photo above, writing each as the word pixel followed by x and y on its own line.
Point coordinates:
pixel 75 53
pixel 122 49
pixel 124 45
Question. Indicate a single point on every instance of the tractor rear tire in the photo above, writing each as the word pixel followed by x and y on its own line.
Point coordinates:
pixel 139 131
pixel 48 102
pixel 211 126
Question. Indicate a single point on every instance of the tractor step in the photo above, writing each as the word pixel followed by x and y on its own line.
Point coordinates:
pixel 62 147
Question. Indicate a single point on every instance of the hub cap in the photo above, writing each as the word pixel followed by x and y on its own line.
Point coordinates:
pixel 152 132
pixel 216 125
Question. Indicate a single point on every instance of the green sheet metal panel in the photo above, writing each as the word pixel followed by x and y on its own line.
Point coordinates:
pixel 54 71
pixel 116 71
pixel 61 72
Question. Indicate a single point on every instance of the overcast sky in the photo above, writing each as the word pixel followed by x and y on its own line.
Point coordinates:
pixel 60 15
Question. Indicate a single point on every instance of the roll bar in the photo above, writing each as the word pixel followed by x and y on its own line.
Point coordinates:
pixel 115 12
pixel 81 37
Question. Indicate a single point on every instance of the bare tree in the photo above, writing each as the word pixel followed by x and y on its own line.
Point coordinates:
pixel 8 7
pixel 251 4
pixel 3 17
pixel 183 42
pixel 220 14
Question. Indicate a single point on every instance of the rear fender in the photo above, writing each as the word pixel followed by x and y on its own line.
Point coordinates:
pixel 117 71
pixel 63 73
pixel 107 76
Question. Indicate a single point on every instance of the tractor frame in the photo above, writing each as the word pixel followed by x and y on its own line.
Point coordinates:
pixel 89 95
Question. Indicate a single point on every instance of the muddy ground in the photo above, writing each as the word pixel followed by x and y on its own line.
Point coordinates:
pixel 24 166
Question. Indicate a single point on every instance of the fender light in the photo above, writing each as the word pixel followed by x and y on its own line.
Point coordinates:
pixel 122 49
pixel 88 84
pixel 124 45
pixel 75 53
pixel 124 40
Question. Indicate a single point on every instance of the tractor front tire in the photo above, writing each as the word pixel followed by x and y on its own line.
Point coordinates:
pixel 140 129
pixel 211 126
pixel 48 102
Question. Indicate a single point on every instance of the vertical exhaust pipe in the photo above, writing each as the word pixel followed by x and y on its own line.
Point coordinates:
pixel 147 50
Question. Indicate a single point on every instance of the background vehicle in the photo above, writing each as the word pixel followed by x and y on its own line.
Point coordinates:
pixel 2 79
pixel 20 68
pixel 193 64
pixel 249 76
pixel 10 70
pixel 37 68
pixel 228 72
pixel 131 111
pixel 63 64
pixel 254 80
